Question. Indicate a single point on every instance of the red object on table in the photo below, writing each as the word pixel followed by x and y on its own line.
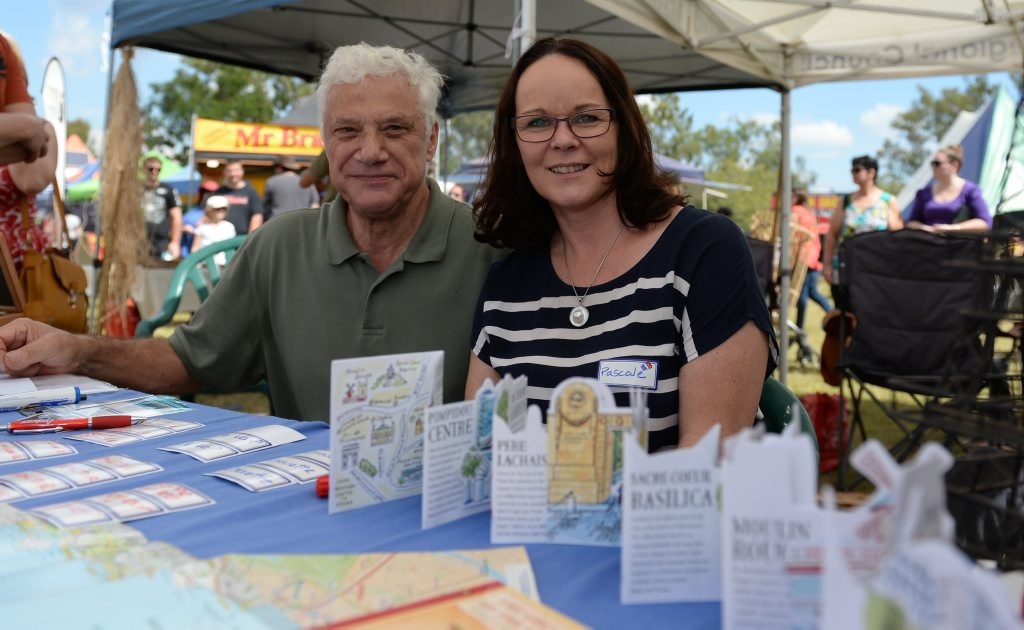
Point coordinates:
pixel 54 425
pixel 323 486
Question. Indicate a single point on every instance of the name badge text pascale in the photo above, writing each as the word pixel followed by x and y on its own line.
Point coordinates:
pixel 642 373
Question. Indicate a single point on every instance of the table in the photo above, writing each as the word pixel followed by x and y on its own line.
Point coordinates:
pixel 582 582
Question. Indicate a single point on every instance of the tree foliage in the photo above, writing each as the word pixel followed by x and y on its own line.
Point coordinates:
pixel 216 91
pixel 467 138
pixel 920 128
pixel 81 128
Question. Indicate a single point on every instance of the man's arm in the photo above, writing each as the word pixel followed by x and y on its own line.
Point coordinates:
pixel 174 242
pixel 28 348
pixel 255 210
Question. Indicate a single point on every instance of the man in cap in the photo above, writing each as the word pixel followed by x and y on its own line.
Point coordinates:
pixel 283 192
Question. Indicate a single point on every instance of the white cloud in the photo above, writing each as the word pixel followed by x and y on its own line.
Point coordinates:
pixel 825 133
pixel 75 40
pixel 878 119
pixel 761 118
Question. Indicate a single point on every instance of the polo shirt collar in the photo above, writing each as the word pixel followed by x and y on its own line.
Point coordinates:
pixel 427 245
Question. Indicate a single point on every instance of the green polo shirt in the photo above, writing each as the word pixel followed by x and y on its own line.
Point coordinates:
pixel 299 294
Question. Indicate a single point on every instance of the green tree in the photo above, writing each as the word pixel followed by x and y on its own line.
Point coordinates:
pixel 217 91
pixel 467 138
pixel 919 129
pixel 743 152
pixel 671 127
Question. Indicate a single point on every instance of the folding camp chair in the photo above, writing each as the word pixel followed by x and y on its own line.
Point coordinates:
pixel 912 294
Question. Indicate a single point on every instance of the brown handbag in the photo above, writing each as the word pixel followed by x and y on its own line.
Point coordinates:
pixel 55 286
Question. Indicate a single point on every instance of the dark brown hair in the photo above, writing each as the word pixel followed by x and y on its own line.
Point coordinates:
pixel 510 213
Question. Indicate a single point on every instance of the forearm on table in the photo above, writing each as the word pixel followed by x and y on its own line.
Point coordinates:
pixel 148 365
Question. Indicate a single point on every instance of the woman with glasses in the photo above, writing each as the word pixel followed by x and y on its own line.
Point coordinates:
pixel 867 209
pixel 613 276
pixel 949 203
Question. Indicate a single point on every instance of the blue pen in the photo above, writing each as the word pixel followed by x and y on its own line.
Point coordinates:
pixel 41 398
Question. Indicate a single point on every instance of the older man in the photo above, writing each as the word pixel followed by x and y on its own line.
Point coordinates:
pixel 391 266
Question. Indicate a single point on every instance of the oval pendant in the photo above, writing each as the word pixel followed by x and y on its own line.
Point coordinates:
pixel 579 316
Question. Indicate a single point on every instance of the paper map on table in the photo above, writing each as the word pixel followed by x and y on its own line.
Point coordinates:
pixel 377 413
pixel 157 585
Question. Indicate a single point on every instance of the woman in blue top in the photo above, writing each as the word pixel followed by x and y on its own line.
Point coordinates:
pixel 868 209
pixel 612 277
pixel 950 203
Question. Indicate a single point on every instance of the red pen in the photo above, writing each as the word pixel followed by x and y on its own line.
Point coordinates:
pixel 56 425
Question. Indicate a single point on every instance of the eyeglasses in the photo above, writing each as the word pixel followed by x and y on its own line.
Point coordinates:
pixel 938 163
pixel 586 124
pixel 153 169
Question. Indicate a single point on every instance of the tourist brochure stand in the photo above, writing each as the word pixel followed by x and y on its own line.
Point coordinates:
pixel 671 523
pixel 378 409
pixel 585 433
pixel 892 561
pixel 457 452
pixel 519 506
pixel 771 530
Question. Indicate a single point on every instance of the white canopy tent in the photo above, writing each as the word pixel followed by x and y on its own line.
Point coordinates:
pixel 800 42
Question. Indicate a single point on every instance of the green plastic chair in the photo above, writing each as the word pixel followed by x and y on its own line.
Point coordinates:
pixel 197 269
pixel 776 405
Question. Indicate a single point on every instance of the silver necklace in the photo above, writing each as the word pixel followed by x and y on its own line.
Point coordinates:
pixel 579 315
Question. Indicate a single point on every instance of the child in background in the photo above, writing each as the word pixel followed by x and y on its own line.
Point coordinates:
pixel 214 227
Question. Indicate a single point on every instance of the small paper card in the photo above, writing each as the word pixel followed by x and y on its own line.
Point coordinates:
pixel 146 430
pixel 127 505
pixel 585 463
pixel 13 452
pixel 236 443
pixel 138 407
pixel 378 409
pixel 280 472
pixel 671 523
pixel 52 479
pixel 519 506
pixel 8 494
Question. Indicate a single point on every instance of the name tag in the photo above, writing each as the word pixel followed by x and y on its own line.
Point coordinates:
pixel 642 373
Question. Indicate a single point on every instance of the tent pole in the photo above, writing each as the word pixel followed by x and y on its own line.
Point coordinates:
pixel 785 264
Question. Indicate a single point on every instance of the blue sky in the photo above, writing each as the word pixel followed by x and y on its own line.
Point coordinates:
pixel 831 122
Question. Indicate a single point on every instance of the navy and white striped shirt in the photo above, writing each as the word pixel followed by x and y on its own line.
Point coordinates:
pixel 692 291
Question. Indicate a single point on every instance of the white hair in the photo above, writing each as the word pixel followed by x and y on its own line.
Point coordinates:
pixel 352 64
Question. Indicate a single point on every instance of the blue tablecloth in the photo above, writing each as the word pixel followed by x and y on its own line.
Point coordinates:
pixel 582 582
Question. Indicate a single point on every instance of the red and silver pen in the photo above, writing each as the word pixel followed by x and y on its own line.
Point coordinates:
pixel 56 425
